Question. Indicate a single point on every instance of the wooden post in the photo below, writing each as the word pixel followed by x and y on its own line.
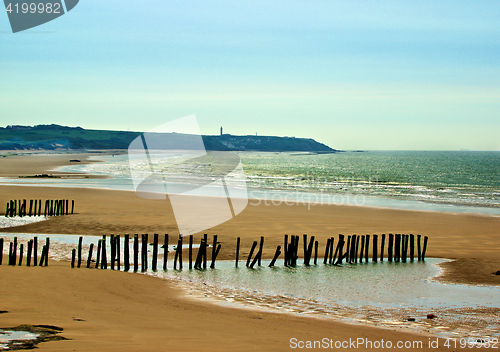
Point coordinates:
pixel 412 247
pixel 340 250
pixel 35 210
pixel 190 253
pixel 126 253
pixel 35 250
pixel 332 242
pixel 251 253
pixel 39 207
pixel 112 242
pixel 98 254
pixel 89 258
pixel 1 251
pixel 316 247
pixel 352 256
pixel 214 249
pixel 30 249
pixel 144 249
pixel 367 247
pixel 238 240
pixel 212 266
pixel 80 251
pixel 30 211
pixel 348 249
pixel 178 253
pixel 296 250
pixel 199 256
pixel 309 251
pixel 7 210
pixel 418 248
pixel 136 252
pixel 14 253
pixel 425 247
pixel 117 252
pixel 285 249
pixel 72 206
pixel 165 252
pixel 51 209
pixel 276 255
pixel 375 248
pixel 73 257
pixel 261 248
pixel 390 246
pixel 155 252
pixel 21 252
pixel 104 260
pixel 356 251
pixel 181 239
pixel 290 251
pixel 47 247
pixel 382 245
pixel 305 261
pixel 361 253
pixel 397 247
pixel 205 237
pixel 327 249
pixel 42 257
pixel 67 207
pixel 404 248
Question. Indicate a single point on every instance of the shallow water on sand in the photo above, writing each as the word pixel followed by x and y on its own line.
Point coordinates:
pixel 381 294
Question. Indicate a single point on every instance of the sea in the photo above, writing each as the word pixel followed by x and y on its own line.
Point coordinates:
pixel 454 181
pixel 390 293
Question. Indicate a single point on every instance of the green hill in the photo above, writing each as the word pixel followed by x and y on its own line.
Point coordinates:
pixel 52 137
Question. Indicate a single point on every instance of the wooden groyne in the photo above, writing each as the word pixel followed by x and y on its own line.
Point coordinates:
pixel 349 250
pixel 33 207
pixel 16 256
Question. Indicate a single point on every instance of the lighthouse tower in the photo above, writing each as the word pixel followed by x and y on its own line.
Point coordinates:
pixel 221 131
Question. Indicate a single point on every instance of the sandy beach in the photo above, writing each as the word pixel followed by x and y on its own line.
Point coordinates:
pixel 130 312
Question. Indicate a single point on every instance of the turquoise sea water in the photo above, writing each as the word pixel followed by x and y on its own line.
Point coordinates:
pixel 422 180
pixel 458 178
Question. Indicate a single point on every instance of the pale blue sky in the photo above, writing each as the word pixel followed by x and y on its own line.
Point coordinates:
pixel 351 74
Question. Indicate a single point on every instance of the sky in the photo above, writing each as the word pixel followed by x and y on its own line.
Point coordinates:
pixel 355 75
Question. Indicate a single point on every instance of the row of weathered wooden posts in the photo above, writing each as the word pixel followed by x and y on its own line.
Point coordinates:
pixel 53 207
pixel 400 248
pixel 397 250
pixel 31 253
pixel 115 255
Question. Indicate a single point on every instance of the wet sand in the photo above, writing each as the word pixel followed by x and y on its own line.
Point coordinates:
pixel 134 312
pixel 115 311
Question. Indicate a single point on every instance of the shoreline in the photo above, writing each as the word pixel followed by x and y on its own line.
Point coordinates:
pixel 100 310
pixel 51 162
pixel 102 298
pixel 471 238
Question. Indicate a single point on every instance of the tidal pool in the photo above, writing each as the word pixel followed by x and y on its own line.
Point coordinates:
pixel 395 295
